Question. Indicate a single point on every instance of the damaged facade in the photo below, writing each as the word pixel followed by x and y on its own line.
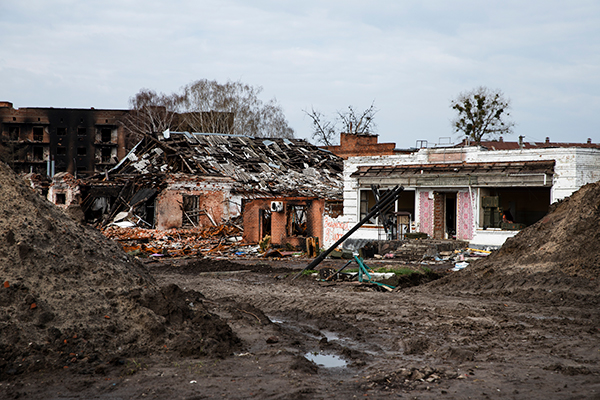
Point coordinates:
pixel 482 194
pixel 278 187
pixel 51 140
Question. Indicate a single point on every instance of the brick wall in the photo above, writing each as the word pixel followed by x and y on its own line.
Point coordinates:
pixel 360 145
pixel 279 220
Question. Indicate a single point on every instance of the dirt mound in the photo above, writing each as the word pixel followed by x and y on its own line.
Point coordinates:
pixel 71 298
pixel 557 258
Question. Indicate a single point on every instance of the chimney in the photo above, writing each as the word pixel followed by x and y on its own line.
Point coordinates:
pixel 589 140
pixel 521 141
pixel 501 139
pixel 547 140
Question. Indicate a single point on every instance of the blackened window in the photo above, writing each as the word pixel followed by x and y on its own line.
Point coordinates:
pixel 81 151
pixel 61 151
pixel 61 198
pixel 13 132
pixel 106 134
pixel 81 131
pixel 106 154
pixel 38 153
pixel 61 131
pixel 38 133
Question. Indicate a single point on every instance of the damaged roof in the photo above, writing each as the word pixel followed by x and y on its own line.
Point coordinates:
pixel 267 167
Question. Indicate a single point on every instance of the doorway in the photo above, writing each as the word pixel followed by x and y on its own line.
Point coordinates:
pixel 264 217
pixel 444 221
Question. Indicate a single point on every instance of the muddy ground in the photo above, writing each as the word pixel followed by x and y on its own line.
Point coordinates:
pixel 416 343
pixel 81 319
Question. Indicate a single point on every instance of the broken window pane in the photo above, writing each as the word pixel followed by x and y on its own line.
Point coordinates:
pixel 297 220
pixel 81 151
pixel 190 211
pixel 367 201
pixel 61 131
pixel 61 151
pixel 81 131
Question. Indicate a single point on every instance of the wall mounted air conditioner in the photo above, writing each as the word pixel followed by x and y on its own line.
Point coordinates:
pixel 276 206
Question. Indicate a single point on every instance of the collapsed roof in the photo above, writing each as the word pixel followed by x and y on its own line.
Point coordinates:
pixel 264 167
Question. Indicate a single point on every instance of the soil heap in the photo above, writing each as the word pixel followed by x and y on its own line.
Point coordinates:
pixel 70 298
pixel 557 259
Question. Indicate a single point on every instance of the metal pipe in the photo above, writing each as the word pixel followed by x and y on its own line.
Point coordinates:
pixel 385 200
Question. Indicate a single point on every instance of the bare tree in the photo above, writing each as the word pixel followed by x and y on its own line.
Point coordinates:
pixel 252 117
pixel 359 123
pixel 327 131
pixel 150 113
pixel 206 106
pixel 324 131
pixel 482 114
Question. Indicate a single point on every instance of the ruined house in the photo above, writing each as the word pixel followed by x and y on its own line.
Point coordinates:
pixel 480 193
pixel 278 187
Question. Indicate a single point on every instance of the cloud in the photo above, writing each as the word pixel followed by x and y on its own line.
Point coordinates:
pixel 411 57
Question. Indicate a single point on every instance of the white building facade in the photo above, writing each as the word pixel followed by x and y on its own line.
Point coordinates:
pixel 468 193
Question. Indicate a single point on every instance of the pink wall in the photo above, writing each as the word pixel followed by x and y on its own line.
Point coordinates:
pixel 425 213
pixel 464 220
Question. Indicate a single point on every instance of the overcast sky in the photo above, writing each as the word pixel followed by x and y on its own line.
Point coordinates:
pixel 409 57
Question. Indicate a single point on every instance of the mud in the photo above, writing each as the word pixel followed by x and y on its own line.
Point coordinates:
pixel 506 327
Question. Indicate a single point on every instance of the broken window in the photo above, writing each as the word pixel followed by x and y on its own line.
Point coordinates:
pixel 334 209
pixel 61 198
pixel 367 201
pixel 297 220
pixel 265 222
pixel 81 131
pixel 61 151
pixel 61 131
pixel 38 153
pixel 38 133
pixel 106 135
pixel 106 155
pixel 13 132
pixel 81 151
pixel 516 207
pixel 190 208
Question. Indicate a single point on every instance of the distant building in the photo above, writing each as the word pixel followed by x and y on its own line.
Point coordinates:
pixel 84 141
pixel 51 140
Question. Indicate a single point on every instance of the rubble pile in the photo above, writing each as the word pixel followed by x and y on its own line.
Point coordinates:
pixel 557 259
pixel 71 298
pixel 211 241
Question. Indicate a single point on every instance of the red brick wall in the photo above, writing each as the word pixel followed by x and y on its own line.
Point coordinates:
pixel 360 145
pixel 169 214
pixel 279 220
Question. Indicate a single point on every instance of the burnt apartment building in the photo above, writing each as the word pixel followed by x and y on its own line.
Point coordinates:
pixel 51 140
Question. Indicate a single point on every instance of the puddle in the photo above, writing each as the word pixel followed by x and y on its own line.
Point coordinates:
pixel 326 360
pixel 330 335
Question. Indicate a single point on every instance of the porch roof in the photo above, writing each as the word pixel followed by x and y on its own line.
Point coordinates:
pixel 522 173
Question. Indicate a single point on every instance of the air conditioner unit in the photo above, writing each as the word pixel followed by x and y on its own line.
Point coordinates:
pixel 276 206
